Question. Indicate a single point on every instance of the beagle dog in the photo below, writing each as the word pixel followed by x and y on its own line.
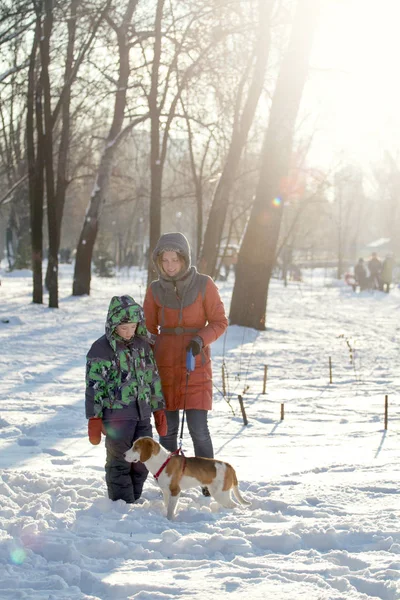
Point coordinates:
pixel 174 473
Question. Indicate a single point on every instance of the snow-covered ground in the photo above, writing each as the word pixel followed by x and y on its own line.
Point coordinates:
pixel 324 520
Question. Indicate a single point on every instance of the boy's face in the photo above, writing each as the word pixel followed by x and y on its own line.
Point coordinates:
pixel 126 330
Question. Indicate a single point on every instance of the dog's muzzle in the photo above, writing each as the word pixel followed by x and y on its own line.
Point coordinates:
pixel 130 457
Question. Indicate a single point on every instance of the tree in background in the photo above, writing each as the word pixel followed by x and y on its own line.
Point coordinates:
pixel 347 214
pixel 16 19
pixel 122 28
pixel 258 250
pixel 245 108
pixel 191 40
pixel 385 208
pixel 35 156
pixel 153 117
pixel 49 124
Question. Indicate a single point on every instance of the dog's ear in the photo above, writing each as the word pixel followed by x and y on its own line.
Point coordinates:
pixel 145 448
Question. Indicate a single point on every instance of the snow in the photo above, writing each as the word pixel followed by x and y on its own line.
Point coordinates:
pixel 323 483
pixel 378 243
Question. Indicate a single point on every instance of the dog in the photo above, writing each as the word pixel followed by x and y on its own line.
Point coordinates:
pixel 175 473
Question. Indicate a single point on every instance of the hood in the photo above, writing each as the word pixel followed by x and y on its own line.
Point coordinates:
pixel 175 242
pixel 124 309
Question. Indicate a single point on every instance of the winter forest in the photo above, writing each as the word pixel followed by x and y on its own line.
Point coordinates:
pixel 267 132
pixel 230 121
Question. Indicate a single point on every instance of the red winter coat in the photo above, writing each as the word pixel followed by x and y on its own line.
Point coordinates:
pixel 206 315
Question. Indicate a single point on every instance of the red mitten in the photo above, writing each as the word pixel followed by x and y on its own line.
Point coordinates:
pixel 94 430
pixel 161 422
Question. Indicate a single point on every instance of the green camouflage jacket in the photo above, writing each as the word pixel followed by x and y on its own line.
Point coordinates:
pixel 122 380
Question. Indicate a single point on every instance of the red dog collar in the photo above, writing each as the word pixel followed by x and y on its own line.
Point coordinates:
pixel 161 469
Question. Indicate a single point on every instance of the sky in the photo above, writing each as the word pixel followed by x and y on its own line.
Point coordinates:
pixel 323 483
pixel 353 84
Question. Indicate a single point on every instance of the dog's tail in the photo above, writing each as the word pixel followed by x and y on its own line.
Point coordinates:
pixel 236 492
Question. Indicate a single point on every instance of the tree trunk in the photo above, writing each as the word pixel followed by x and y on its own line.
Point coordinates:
pixel 216 219
pixel 55 212
pixel 197 181
pixel 52 270
pixel 340 235
pixel 87 238
pixel 199 219
pixel 18 245
pixel 35 171
pixel 258 251
pixel 155 159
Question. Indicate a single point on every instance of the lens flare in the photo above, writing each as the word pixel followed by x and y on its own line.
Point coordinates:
pixel 276 202
pixel 112 432
pixel 18 556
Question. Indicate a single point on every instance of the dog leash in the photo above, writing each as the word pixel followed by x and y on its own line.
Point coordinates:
pixel 190 366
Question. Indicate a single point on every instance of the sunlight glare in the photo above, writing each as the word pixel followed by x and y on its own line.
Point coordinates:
pixel 353 76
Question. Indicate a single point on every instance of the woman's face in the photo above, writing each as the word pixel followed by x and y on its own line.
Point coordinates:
pixel 171 263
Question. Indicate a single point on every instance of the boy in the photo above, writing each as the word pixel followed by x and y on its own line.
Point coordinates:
pixel 123 388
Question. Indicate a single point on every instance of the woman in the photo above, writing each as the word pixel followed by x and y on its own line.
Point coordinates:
pixel 186 312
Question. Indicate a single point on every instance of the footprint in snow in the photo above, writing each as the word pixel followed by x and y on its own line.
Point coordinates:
pixel 27 442
pixel 53 452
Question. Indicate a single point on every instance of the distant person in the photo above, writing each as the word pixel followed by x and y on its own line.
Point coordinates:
pixel 228 262
pixel 235 256
pixel 361 275
pixel 123 388
pixel 375 270
pixel 295 273
pixel 287 257
pixel 350 279
pixel 387 272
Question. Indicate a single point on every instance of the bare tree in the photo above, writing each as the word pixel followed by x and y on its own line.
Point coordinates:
pixel 34 121
pixel 13 166
pixel 258 250
pixel 242 123
pixel 82 274
pixel 56 186
pixel 388 179
pixel 347 211
pixel 164 97
pixel 49 123
pixel 57 183
pixel 197 171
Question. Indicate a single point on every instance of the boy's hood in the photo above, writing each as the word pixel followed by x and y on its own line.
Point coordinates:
pixel 124 309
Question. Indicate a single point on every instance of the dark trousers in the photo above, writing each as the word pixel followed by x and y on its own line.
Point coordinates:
pixel 124 480
pixel 197 424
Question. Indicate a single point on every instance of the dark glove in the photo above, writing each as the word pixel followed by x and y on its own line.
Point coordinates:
pixel 161 422
pixel 95 425
pixel 195 346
